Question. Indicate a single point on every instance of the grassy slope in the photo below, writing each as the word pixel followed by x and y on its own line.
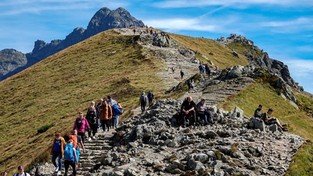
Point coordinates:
pixel 218 54
pixel 298 120
pixel 54 90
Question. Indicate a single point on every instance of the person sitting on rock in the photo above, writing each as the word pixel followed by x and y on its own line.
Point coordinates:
pixel 21 172
pixel 188 111
pixel 269 120
pixel 201 110
pixel 258 112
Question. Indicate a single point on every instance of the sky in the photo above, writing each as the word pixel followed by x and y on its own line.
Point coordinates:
pixel 283 28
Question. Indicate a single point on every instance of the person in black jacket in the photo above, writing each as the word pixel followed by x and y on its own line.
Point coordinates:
pixel 188 112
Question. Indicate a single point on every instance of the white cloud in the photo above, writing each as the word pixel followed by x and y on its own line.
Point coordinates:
pixel 235 3
pixel 181 24
pixel 33 6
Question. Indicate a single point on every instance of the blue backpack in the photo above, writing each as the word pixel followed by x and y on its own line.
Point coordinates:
pixel 116 110
pixel 69 152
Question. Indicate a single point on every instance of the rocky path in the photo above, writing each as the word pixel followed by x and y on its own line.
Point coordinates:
pixel 216 91
pixel 93 151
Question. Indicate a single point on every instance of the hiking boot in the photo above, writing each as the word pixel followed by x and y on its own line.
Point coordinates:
pixel 89 139
pixel 59 173
pixel 56 169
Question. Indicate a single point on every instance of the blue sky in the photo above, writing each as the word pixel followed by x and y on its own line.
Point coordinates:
pixel 282 28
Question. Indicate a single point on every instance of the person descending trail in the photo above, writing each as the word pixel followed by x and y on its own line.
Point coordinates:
pixel 143 101
pixel 207 70
pixel 70 158
pixel 117 111
pixel 182 74
pixel 81 125
pixel 150 97
pixel 77 143
pixel 91 117
pixel 105 115
pixel 21 172
pixel 57 152
pixel 98 112
pixel 189 84
pixel 201 69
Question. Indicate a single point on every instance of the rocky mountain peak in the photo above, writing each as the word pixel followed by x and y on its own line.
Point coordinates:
pixel 11 59
pixel 102 20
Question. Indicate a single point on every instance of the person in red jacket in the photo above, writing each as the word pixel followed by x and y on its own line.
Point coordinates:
pixel 81 125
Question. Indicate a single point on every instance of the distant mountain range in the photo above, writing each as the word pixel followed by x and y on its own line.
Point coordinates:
pixel 12 61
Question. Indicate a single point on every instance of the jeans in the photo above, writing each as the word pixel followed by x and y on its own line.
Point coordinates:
pixel 68 163
pixel 54 157
pixel 115 117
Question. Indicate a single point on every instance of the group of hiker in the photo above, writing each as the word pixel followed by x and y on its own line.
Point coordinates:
pixel 145 99
pixel 104 114
pixel 268 118
pixel 192 113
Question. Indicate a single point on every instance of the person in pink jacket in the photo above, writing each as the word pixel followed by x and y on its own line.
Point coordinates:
pixel 81 125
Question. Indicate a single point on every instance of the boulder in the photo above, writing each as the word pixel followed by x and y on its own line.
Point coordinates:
pixel 256 123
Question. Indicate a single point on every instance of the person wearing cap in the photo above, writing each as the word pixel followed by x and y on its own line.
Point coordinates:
pixel 21 172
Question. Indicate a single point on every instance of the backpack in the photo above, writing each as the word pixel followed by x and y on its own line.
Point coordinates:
pixel 57 145
pixel 150 95
pixel 69 152
pixel 117 110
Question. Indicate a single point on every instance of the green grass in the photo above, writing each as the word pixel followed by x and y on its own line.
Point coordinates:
pixel 218 54
pixel 54 90
pixel 298 120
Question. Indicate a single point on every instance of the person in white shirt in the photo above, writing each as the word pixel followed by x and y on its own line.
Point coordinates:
pixel 21 172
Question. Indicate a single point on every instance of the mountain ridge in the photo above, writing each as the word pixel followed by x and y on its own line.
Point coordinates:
pixel 102 20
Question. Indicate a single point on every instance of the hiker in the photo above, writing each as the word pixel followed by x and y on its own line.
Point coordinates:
pixel 182 74
pixel 21 172
pixel 81 125
pixel 258 112
pixel 105 115
pixel 70 157
pixel 116 111
pixel 217 70
pixel 188 113
pixel 173 69
pixel 143 101
pixel 269 120
pixel 150 97
pixel 98 112
pixel 203 112
pixel 57 151
pixel 77 143
pixel 207 70
pixel 201 69
pixel 91 117
pixel 134 30
pixel 111 101
pixel 189 84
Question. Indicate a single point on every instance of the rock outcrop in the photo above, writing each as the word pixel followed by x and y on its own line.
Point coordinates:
pixel 11 59
pixel 152 144
pixel 103 20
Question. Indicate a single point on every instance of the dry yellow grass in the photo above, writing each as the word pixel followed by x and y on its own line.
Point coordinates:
pixel 54 90
pixel 220 55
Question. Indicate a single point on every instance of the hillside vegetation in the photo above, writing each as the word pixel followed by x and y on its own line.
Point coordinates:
pixel 218 54
pixel 48 95
pixel 298 121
